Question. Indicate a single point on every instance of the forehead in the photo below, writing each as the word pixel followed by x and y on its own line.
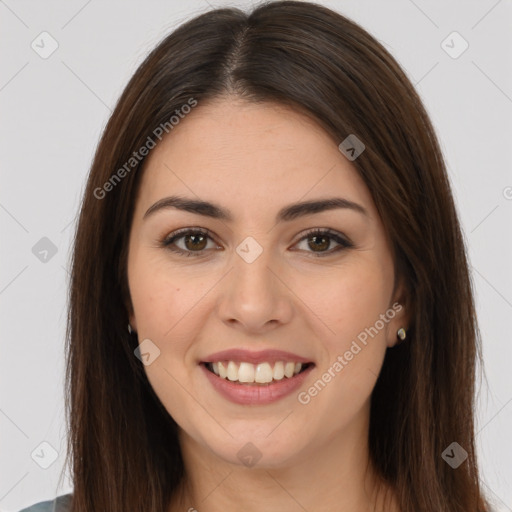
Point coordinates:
pixel 250 154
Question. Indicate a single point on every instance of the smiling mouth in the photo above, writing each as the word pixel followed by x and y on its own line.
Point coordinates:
pixel 261 374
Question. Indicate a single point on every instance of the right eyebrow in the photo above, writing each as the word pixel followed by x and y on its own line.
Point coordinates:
pixel 288 213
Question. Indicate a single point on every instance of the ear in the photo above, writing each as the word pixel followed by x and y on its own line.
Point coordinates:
pixel 131 314
pixel 129 309
pixel 133 322
pixel 400 305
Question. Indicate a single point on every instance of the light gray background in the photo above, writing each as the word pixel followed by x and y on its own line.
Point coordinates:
pixel 53 112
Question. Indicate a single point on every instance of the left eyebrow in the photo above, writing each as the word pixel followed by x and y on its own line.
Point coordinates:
pixel 288 213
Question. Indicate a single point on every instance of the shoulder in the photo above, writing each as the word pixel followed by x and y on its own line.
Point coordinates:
pixel 59 504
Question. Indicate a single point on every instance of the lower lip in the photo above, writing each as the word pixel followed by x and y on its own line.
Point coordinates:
pixel 257 394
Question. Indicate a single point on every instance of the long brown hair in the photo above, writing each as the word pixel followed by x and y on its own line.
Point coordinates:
pixel 123 448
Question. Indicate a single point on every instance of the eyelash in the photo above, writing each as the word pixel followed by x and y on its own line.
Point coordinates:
pixel 169 240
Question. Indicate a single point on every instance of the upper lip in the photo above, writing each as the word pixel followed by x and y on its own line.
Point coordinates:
pixel 255 357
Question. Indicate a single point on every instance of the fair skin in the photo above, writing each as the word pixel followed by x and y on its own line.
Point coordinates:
pixel 254 160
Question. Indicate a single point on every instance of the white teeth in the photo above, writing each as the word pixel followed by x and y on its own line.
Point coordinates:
pixel 222 370
pixel 289 369
pixel 261 373
pixel 232 371
pixel 246 372
pixel 278 370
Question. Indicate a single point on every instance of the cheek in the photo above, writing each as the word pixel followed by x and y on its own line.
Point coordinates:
pixel 351 304
pixel 161 295
pixel 355 309
pixel 349 300
pixel 164 309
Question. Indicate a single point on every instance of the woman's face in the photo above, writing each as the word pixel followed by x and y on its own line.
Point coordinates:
pixel 260 281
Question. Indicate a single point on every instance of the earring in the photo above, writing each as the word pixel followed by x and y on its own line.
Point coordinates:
pixel 401 333
pixel 130 330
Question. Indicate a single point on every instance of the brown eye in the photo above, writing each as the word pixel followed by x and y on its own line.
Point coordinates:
pixel 193 242
pixel 319 241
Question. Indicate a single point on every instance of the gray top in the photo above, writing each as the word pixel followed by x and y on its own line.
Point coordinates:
pixel 59 504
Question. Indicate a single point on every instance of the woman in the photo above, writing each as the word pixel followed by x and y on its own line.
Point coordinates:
pixel 270 304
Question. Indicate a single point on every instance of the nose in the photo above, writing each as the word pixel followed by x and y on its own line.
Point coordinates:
pixel 254 297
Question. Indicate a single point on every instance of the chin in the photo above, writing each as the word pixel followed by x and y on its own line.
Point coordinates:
pixel 257 451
